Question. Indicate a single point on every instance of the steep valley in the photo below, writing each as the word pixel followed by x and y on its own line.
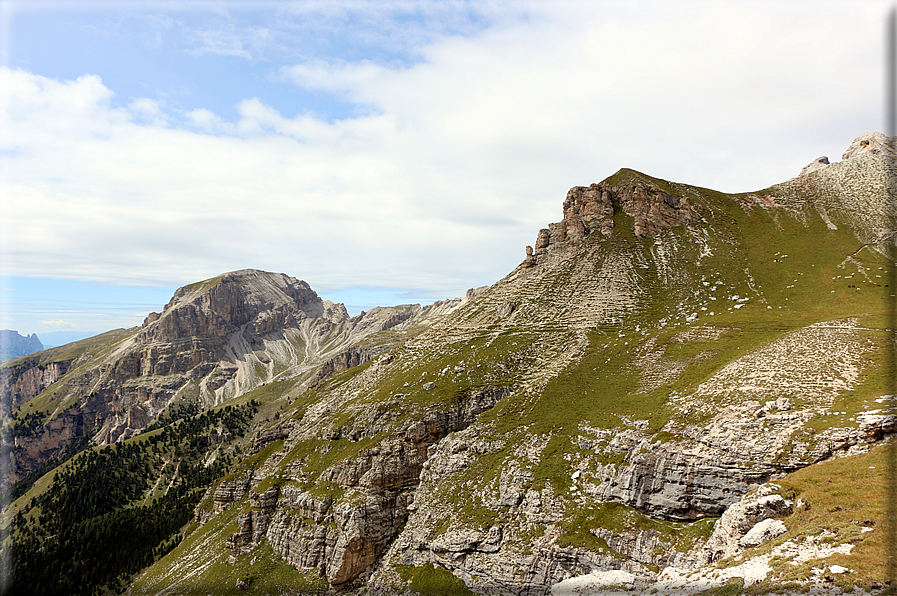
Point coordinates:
pixel 678 391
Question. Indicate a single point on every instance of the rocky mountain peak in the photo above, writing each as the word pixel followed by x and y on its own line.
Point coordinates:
pixel 260 300
pixel 591 209
pixel 13 345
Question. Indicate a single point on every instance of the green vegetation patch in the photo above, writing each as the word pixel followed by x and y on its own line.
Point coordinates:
pixel 733 587
pixel 457 367
pixel 842 496
pixel 430 580
pixel 91 523
pixel 254 461
pixel 199 566
pixel 554 466
pixel 202 286
pixel 579 522
pixel 598 389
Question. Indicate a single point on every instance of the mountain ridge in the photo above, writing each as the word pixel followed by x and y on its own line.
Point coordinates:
pixel 213 341
pixel 630 407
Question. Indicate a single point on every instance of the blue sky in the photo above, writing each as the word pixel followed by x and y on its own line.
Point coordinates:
pixel 385 152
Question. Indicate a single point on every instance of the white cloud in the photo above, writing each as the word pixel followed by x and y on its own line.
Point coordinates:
pixel 337 76
pixel 454 162
pixel 58 324
pixel 205 120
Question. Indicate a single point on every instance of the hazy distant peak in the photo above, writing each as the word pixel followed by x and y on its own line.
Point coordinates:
pixel 13 345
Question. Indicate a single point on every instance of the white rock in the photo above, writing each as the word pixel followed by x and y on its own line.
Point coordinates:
pixel 593 583
pixel 871 142
pixel 762 531
pixel 814 165
pixel 837 569
pixel 740 519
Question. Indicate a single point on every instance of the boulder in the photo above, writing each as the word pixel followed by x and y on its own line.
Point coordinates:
pixel 814 165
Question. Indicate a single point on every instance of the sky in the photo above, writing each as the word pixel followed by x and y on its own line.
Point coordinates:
pixel 386 152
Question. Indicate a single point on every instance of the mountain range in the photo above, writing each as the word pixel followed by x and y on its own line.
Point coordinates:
pixel 677 391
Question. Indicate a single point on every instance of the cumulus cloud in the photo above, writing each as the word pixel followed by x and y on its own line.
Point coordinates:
pixel 452 162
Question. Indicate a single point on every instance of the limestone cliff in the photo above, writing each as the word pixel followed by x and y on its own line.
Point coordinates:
pixel 591 209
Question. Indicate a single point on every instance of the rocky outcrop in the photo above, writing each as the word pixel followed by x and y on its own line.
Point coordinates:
pixel 230 490
pixel 814 165
pixel 673 484
pixel 254 523
pixel 590 210
pixel 354 356
pixel 874 143
pixel 343 536
pixel 748 522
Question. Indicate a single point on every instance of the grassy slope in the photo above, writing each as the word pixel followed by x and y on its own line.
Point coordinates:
pixel 791 268
pixel 794 272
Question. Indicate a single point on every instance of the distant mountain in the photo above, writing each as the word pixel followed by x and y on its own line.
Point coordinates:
pixel 13 345
pixel 678 391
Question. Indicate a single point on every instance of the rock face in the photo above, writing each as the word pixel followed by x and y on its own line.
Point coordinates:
pixel 591 209
pixel 871 143
pixel 253 301
pixel 814 165
pixel 748 522
pixel 342 537
pixel 354 356
pixel 21 383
